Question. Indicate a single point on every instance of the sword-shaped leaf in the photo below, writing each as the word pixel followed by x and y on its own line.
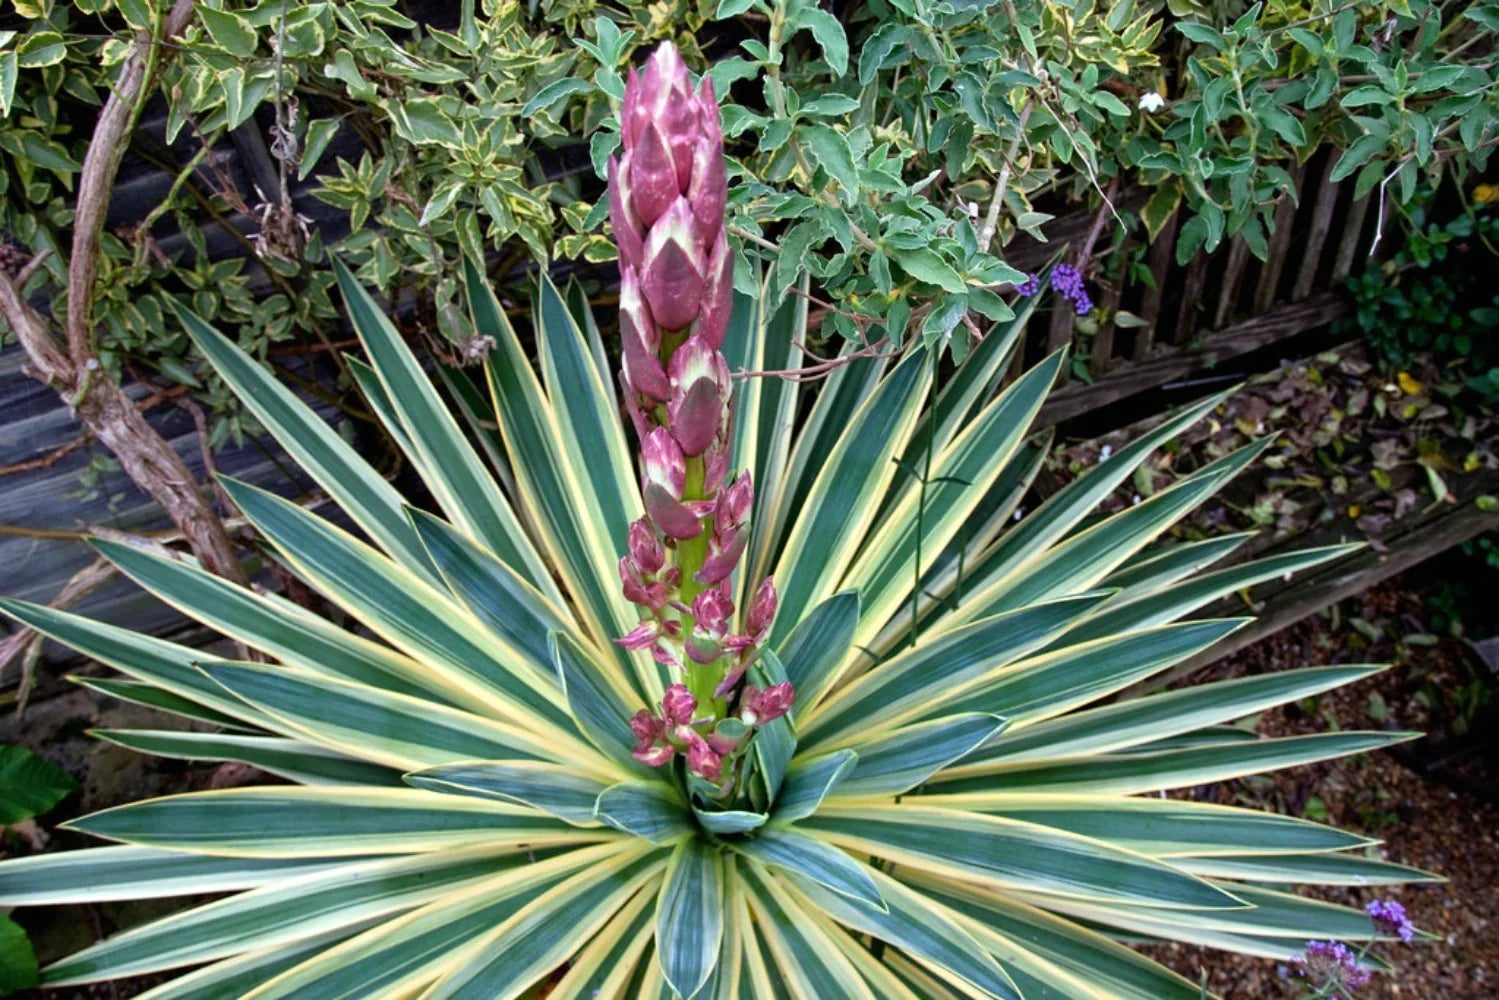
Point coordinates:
pixel 290 821
pixel 305 763
pixel 447 462
pixel 689 916
pixel 553 788
pixel 1009 854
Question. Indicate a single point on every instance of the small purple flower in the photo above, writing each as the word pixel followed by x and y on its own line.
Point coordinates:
pixel 1067 281
pixel 1389 917
pixel 1332 962
pixel 1030 286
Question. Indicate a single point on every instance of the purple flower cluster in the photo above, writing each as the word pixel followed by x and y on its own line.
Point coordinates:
pixel 1068 282
pixel 1332 962
pixel 1030 286
pixel 1389 917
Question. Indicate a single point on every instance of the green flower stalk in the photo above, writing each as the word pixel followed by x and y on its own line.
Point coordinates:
pixel 666 198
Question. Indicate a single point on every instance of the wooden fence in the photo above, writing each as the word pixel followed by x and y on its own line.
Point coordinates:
pixel 1218 306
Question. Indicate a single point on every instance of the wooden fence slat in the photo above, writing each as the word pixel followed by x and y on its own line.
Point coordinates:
pixel 1233 277
pixel 1059 333
pixel 1101 357
pixel 1187 314
pixel 1280 244
pixel 1311 248
pixel 1159 261
pixel 1352 241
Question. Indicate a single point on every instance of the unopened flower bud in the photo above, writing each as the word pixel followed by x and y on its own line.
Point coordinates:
pixel 718 293
pixel 734 504
pixel 640 341
pixel 649 176
pixel 703 760
pixel 724 550
pixel 642 636
pixel 664 477
pixel 711 610
pixel 645 547
pixel 700 392
pixel 646 727
pixel 673 267
pixel 757 707
pixel 678 705
pixel 762 609
pixel 649 731
pixel 628 232
pixel 655 756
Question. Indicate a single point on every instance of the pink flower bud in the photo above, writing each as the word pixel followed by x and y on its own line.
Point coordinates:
pixel 711 610
pixel 716 458
pixel 666 656
pixel 663 478
pixel 663 464
pixel 642 636
pixel 647 728
pixel 656 756
pixel 707 111
pixel 640 340
pixel 724 550
pixel 639 417
pixel 735 502
pixel 757 707
pixel 700 391
pixel 645 547
pixel 708 191
pixel 673 266
pixel 678 705
pixel 702 760
pixel 628 232
pixel 649 175
pixel 718 292
pixel 762 609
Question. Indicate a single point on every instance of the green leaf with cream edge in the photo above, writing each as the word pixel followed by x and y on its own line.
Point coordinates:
pixel 466 818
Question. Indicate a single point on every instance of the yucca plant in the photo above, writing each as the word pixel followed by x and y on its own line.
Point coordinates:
pixel 552 751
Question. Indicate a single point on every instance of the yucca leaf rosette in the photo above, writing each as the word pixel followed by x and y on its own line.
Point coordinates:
pixel 560 729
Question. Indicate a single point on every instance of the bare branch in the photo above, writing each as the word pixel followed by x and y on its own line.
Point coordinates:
pixel 96 181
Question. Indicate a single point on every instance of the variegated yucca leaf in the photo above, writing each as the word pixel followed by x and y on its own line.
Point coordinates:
pixel 953 807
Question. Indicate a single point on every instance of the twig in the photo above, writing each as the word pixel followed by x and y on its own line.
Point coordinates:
pixel 96 181
pixel 991 219
pixel 1085 253
pixel 30 267
pixel 51 458
pixel 81 583
pixel 76 371
pixel 822 369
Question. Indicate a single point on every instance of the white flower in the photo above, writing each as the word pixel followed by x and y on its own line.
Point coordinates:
pixel 1105 452
pixel 1152 102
